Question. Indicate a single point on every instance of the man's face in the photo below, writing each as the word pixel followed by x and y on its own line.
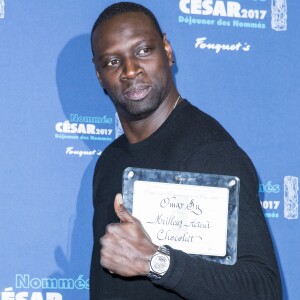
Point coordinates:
pixel 133 64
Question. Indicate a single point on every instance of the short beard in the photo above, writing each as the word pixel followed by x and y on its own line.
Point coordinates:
pixel 134 112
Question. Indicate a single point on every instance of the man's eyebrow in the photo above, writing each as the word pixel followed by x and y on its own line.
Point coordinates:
pixel 101 57
pixel 104 55
pixel 146 40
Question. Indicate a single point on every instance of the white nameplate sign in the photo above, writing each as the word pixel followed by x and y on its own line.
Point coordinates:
pixel 190 218
pixel 193 212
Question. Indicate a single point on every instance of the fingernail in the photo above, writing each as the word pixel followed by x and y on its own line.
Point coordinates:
pixel 119 199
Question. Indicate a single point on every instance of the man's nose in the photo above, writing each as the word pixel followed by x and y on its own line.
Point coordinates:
pixel 131 69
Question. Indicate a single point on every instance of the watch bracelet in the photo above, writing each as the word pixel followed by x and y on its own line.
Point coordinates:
pixel 164 250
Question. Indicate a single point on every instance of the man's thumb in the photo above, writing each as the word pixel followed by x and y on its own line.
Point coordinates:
pixel 121 211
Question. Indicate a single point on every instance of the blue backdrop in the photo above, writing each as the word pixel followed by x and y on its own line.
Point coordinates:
pixel 236 60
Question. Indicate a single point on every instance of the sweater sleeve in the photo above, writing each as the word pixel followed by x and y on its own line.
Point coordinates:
pixel 255 274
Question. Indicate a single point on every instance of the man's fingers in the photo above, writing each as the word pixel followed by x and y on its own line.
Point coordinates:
pixel 121 211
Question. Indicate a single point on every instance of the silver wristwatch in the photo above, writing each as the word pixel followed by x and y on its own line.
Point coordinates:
pixel 159 263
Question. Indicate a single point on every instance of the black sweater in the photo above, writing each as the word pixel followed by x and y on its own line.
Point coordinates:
pixel 189 140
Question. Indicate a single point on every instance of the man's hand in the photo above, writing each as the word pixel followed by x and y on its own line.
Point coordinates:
pixel 126 247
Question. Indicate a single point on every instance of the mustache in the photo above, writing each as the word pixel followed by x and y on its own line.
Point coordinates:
pixel 136 86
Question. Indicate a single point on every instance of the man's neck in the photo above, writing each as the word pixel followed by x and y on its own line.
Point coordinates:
pixel 138 130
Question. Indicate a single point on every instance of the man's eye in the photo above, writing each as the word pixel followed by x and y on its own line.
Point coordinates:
pixel 113 62
pixel 144 52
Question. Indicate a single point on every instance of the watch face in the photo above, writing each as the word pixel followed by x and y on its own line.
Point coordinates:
pixel 160 263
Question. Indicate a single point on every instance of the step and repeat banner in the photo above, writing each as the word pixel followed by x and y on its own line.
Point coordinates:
pixel 236 60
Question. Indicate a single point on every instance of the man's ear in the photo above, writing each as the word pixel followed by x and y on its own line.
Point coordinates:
pixel 97 73
pixel 98 76
pixel 168 50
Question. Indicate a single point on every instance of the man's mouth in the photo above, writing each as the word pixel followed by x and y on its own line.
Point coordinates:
pixel 137 93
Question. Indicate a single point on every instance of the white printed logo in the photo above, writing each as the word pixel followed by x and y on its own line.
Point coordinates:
pixel 9 294
pixel 279 15
pixel 2 5
pixel 202 44
pixel 291 189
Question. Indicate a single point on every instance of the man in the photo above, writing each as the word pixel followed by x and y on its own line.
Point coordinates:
pixel 133 61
